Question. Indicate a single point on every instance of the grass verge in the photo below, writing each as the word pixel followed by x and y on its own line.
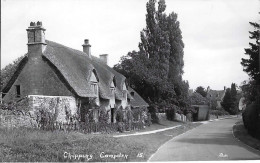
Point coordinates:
pixel 241 133
pixel 40 146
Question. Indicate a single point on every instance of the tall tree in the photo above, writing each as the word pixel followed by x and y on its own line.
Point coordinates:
pixel 230 103
pixel 251 65
pixel 154 40
pixel 227 100
pixel 233 91
pixel 159 60
pixel 177 45
pixel 251 89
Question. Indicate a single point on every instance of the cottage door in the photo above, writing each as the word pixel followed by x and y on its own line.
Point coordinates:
pixel 112 114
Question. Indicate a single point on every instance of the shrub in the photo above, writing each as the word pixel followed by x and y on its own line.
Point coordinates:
pixel 251 119
pixel 170 113
pixel 153 110
pixel 119 114
pixel 103 116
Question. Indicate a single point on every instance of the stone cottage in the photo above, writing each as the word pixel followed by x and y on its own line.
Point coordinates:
pixel 216 95
pixel 67 81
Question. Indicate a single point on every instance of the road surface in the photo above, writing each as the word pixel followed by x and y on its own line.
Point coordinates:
pixel 209 142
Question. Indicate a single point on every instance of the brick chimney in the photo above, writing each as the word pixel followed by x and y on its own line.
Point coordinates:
pixel 87 48
pixel 104 58
pixel 36 37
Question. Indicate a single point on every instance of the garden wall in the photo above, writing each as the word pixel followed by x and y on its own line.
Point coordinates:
pixel 34 111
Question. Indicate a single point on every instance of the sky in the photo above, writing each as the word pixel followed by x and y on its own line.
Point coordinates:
pixel 215 32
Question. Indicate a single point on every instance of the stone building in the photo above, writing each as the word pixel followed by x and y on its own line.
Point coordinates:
pixel 216 95
pixel 73 81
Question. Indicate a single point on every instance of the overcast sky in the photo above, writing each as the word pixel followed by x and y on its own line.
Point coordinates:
pixel 215 32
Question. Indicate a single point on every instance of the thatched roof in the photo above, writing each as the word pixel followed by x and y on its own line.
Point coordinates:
pixel 76 68
pixel 74 65
pixel 137 101
pixel 105 77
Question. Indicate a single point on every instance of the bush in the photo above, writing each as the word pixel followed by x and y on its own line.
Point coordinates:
pixel 251 119
pixel 170 114
pixel 119 115
pixel 153 111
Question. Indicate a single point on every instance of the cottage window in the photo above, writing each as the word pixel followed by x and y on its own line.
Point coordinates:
pixel 94 87
pixel 18 91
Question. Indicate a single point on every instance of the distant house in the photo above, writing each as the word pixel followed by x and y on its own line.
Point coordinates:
pixel 216 95
pixel 52 70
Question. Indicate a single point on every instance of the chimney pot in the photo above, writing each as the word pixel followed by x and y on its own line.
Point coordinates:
pixel 86 41
pixel 87 48
pixel 39 23
pixel 103 58
pixel 32 24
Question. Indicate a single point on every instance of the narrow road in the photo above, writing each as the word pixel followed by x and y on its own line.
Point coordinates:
pixel 209 142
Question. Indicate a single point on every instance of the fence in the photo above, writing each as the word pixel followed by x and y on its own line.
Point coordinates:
pixel 94 127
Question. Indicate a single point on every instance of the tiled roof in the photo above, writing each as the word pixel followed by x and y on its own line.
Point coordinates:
pixel 216 94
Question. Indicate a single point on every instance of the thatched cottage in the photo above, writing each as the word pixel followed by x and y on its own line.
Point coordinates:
pixel 73 81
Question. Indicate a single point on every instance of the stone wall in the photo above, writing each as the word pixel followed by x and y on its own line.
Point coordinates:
pixel 34 110
pixel 12 119
pixel 55 108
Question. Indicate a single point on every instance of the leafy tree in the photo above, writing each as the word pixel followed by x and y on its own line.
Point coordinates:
pixel 201 90
pixel 251 65
pixel 198 99
pixel 251 89
pixel 154 40
pixel 155 71
pixel 227 100
pixel 230 102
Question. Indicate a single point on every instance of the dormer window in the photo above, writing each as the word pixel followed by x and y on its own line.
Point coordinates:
pixel 94 82
pixel 112 87
pixel 94 87
pixel 124 90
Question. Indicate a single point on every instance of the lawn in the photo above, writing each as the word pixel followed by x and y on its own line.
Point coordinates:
pixel 241 133
pixel 37 145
